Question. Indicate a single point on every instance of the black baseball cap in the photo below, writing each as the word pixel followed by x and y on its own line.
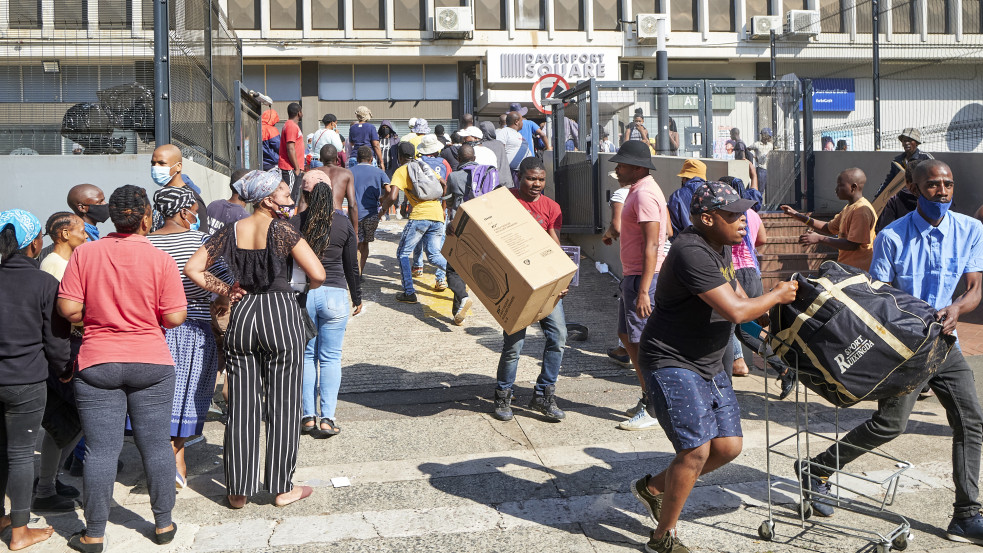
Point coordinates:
pixel 717 195
pixel 406 149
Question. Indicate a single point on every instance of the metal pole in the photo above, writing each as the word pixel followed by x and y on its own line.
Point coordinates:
pixel 774 65
pixel 663 146
pixel 875 32
pixel 207 40
pixel 162 76
pixel 808 147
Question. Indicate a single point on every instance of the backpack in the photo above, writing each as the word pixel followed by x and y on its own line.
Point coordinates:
pixel 482 179
pixel 426 187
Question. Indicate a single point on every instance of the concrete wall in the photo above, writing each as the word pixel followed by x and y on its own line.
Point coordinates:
pixel 667 167
pixel 965 169
pixel 40 184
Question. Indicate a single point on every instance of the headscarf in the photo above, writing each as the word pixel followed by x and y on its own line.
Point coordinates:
pixel 257 185
pixel 27 227
pixel 363 114
pixel 270 119
pixel 169 201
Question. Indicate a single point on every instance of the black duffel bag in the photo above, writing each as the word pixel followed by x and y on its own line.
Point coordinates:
pixel 857 339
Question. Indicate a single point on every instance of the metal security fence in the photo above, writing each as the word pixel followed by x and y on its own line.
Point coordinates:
pixel 924 70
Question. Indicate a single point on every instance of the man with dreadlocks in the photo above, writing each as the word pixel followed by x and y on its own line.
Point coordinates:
pixel 334 241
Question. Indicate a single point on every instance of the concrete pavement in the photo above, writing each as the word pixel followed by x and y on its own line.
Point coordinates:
pixel 431 470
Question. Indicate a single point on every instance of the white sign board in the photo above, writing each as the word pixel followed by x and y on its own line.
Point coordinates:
pixel 527 65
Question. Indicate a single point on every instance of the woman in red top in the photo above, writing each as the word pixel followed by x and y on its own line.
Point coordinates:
pixel 124 290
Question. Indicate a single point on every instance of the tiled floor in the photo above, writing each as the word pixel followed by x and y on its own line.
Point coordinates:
pixel 970 331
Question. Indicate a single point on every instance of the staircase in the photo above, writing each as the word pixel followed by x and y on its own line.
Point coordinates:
pixel 782 256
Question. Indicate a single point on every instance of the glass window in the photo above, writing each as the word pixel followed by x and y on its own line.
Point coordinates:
pixel 569 15
pixel 755 7
pixel 405 82
pixel 862 12
pixel 24 14
pixel 972 18
pixel 40 86
pixel 441 82
pixel 408 15
pixel 148 14
pixel 684 16
pixel 721 16
pixel 489 14
pixel 254 77
pixel 530 15
pixel 798 5
pixel 902 18
pixel 938 16
pixel 449 3
pixel 80 82
pixel 70 14
pixel 285 14
pixel 244 14
pixel 368 14
pixel 640 6
pixel 10 83
pixel 830 16
pixel 606 15
pixel 371 82
pixel 283 82
pixel 335 82
pixel 114 14
pixel 327 14
pixel 112 75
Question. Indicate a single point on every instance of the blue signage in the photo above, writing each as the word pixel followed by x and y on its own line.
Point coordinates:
pixel 833 94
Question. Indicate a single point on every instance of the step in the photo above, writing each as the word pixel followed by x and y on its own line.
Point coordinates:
pixel 793 261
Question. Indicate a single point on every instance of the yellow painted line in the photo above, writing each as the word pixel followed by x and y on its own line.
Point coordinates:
pixel 435 304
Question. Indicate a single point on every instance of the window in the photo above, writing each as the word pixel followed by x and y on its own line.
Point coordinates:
pixel 112 75
pixel 327 14
pixel 684 15
pixel 972 20
pixel 285 14
pixel 606 15
pixel 70 14
pixel 368 14
pixel 148 15
pixel 902 18
pixel 569 15
pixel 441 82
pixel 283 82
pixel 721 16
pixel 372 82
pixel 938 16
pixel 387 82
pixel 114 14
pixel 406 82
pixel 530 14
pixel 756 7
pixel 830 18
pixel 409 15
pixel 489 14
pixel 862 12
pixel 254 77
pixel 80 83
pixel 10 83
pixel 244 14
pixel 40 86
pixel 641 6
pixel 24 14
pixel 335 82
pixel 799 5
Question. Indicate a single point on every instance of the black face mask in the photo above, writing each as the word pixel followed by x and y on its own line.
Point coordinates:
pixel 98 212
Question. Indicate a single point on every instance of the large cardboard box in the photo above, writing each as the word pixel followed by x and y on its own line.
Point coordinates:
pixel 510 263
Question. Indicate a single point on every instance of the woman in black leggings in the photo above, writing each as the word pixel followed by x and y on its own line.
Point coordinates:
pixel 33 344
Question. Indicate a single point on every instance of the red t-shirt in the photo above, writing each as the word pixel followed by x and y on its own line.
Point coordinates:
pixel 291 133
pixel 127 286
pixel 544 210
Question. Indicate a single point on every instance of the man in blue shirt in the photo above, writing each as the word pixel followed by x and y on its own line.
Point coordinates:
pixel 530 130
pixel 925 253
pixel 693 175
pixel 370 187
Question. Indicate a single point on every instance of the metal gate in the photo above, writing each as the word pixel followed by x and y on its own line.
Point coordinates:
pixel 248 131
pixel 701 113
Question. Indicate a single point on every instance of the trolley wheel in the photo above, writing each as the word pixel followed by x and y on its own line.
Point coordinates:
pixel 899 543
pixel 884 547
pixel 805 509
pixel 767 530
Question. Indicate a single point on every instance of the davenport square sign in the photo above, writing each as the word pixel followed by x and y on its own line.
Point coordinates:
pixel 526 65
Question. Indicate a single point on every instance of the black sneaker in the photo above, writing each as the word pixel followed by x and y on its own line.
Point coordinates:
pixel 653 503
pixel 406 298
pixel 503 405
pixel 966 530
pixel 53 504
pixel 668 543
pixel 546 404
pixel 816 487
pixel 62 489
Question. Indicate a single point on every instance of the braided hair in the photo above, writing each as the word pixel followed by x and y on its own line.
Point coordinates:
pixel 320 214
pixel 8 243
pixel 127 207
pixel 59 221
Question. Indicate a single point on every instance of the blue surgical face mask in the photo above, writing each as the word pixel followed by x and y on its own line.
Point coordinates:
pixel 933 210
pixel 161 175
pixel 197 224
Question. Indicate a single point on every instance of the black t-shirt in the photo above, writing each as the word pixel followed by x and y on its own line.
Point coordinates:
pixel 684 331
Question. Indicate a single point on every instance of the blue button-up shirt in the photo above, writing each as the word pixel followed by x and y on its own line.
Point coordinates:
pixel 926 261
pixel 679 202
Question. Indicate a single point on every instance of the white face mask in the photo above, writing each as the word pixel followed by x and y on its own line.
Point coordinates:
pixel 161 175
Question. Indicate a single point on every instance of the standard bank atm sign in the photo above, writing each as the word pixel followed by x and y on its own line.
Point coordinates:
pixel 833 95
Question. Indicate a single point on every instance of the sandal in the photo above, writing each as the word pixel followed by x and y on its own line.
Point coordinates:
pixel 332 430
pixel 304 429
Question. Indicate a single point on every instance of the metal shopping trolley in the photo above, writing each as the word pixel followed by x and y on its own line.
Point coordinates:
pixel 845 487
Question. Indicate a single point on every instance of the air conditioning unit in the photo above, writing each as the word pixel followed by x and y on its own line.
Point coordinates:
pixel 802 23
pixel 453 21
pixel 763 25
pixel 647 27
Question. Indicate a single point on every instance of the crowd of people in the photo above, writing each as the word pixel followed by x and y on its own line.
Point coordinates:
pixel 127 333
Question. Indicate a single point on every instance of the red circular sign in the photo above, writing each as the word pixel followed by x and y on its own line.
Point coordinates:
pixel 550 85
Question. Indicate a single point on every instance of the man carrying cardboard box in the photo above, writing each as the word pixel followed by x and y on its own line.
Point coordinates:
pixel 532 180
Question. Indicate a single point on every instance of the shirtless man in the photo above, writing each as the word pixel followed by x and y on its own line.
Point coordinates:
pixel 342 182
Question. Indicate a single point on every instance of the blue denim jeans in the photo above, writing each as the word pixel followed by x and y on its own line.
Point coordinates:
pixel 329 308
pixel 431 234
pixel 555 328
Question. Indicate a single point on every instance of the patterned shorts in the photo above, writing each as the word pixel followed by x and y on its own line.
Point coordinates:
pixel 367 228
pixel 692 410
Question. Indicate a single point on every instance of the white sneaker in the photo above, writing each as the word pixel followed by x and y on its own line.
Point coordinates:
pixel 640 406
pixel 462 311
pixel 641 421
